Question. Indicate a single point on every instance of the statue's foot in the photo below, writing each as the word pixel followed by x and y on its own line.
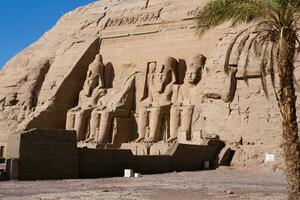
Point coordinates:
pixel 98 141
pixel 172 140
pixel 89 140
pixel 149 140
pixel 140 139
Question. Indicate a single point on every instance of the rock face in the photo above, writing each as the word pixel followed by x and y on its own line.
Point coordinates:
pixel 140 41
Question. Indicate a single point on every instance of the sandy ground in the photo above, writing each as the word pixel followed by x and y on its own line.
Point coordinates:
pixel 215 184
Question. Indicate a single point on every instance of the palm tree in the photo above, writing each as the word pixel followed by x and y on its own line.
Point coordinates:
pixel 274 24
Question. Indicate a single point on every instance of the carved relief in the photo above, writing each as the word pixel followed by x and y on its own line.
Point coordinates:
pixel 130 20
pixel 193 13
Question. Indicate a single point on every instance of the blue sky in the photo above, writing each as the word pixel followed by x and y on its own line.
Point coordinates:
pixel 24 21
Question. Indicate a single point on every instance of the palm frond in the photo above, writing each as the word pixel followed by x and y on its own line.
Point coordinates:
pixel 263 73
pixel 257 48
pixel 230 48
pixel 272 75
pixel 248 54
pixel 217 12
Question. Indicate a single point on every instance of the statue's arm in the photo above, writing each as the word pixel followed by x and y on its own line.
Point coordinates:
pixel 78 107
pixel 176 95
pixel 97 94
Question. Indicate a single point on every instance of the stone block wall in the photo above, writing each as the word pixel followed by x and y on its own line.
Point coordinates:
pixel 112 162
pixel 44 154
pixel 103 162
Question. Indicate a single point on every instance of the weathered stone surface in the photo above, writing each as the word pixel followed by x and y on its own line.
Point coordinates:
pixel 43 82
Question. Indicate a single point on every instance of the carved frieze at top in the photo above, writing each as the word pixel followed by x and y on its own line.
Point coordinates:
pixel 133 19
pixel 193 12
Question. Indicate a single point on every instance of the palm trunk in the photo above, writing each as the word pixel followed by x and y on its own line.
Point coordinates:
pixel 287 104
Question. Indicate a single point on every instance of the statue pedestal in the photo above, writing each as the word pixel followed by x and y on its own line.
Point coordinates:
pixel 137 148
pixel 198 137
pixel 149 148
pixel 96 145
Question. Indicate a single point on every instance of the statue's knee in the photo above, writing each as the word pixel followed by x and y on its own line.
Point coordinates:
pixel 81 114
pixel 155 111
pixel 143 112
pixel 174 110
pixel 70 115
pixel 105 115
pixel 95 115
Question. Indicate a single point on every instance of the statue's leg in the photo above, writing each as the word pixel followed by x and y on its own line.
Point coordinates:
pixel 105 127
pixel 70 121
pixel 94 124
pixel 80 125
pixel 155 125
pixel 174 124
pixel 142 125
pixel 187 115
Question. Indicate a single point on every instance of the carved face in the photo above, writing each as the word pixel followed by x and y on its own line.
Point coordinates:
pixel 94 73
pixel 152 67
pixel 193 74
pixel 87 87
pixel 163 77
pixel 194 70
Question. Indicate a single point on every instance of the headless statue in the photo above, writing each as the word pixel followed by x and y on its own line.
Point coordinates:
pixel 119 103
pixel 93 89
pixel 182 110
pixel 155 108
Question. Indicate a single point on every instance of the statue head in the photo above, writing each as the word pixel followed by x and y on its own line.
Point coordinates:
pixel 95 71
pixel 194 69
pixel 164 74
pixel 152 67
pixel 96 67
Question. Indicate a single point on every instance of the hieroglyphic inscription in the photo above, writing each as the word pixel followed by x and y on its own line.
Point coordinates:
pixel 147 3
pixel 193 13
pixel 130 20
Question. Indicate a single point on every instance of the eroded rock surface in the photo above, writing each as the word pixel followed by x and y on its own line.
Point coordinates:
pixel 43 82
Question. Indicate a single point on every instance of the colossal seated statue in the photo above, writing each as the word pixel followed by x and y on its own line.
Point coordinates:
pixel 155 110
pixel 119 103
pixel 182 110
pixel 93 89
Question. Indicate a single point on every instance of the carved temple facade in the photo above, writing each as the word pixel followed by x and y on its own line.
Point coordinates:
pixel 136 72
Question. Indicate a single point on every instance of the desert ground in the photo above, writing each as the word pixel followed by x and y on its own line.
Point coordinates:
pixel 224 183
